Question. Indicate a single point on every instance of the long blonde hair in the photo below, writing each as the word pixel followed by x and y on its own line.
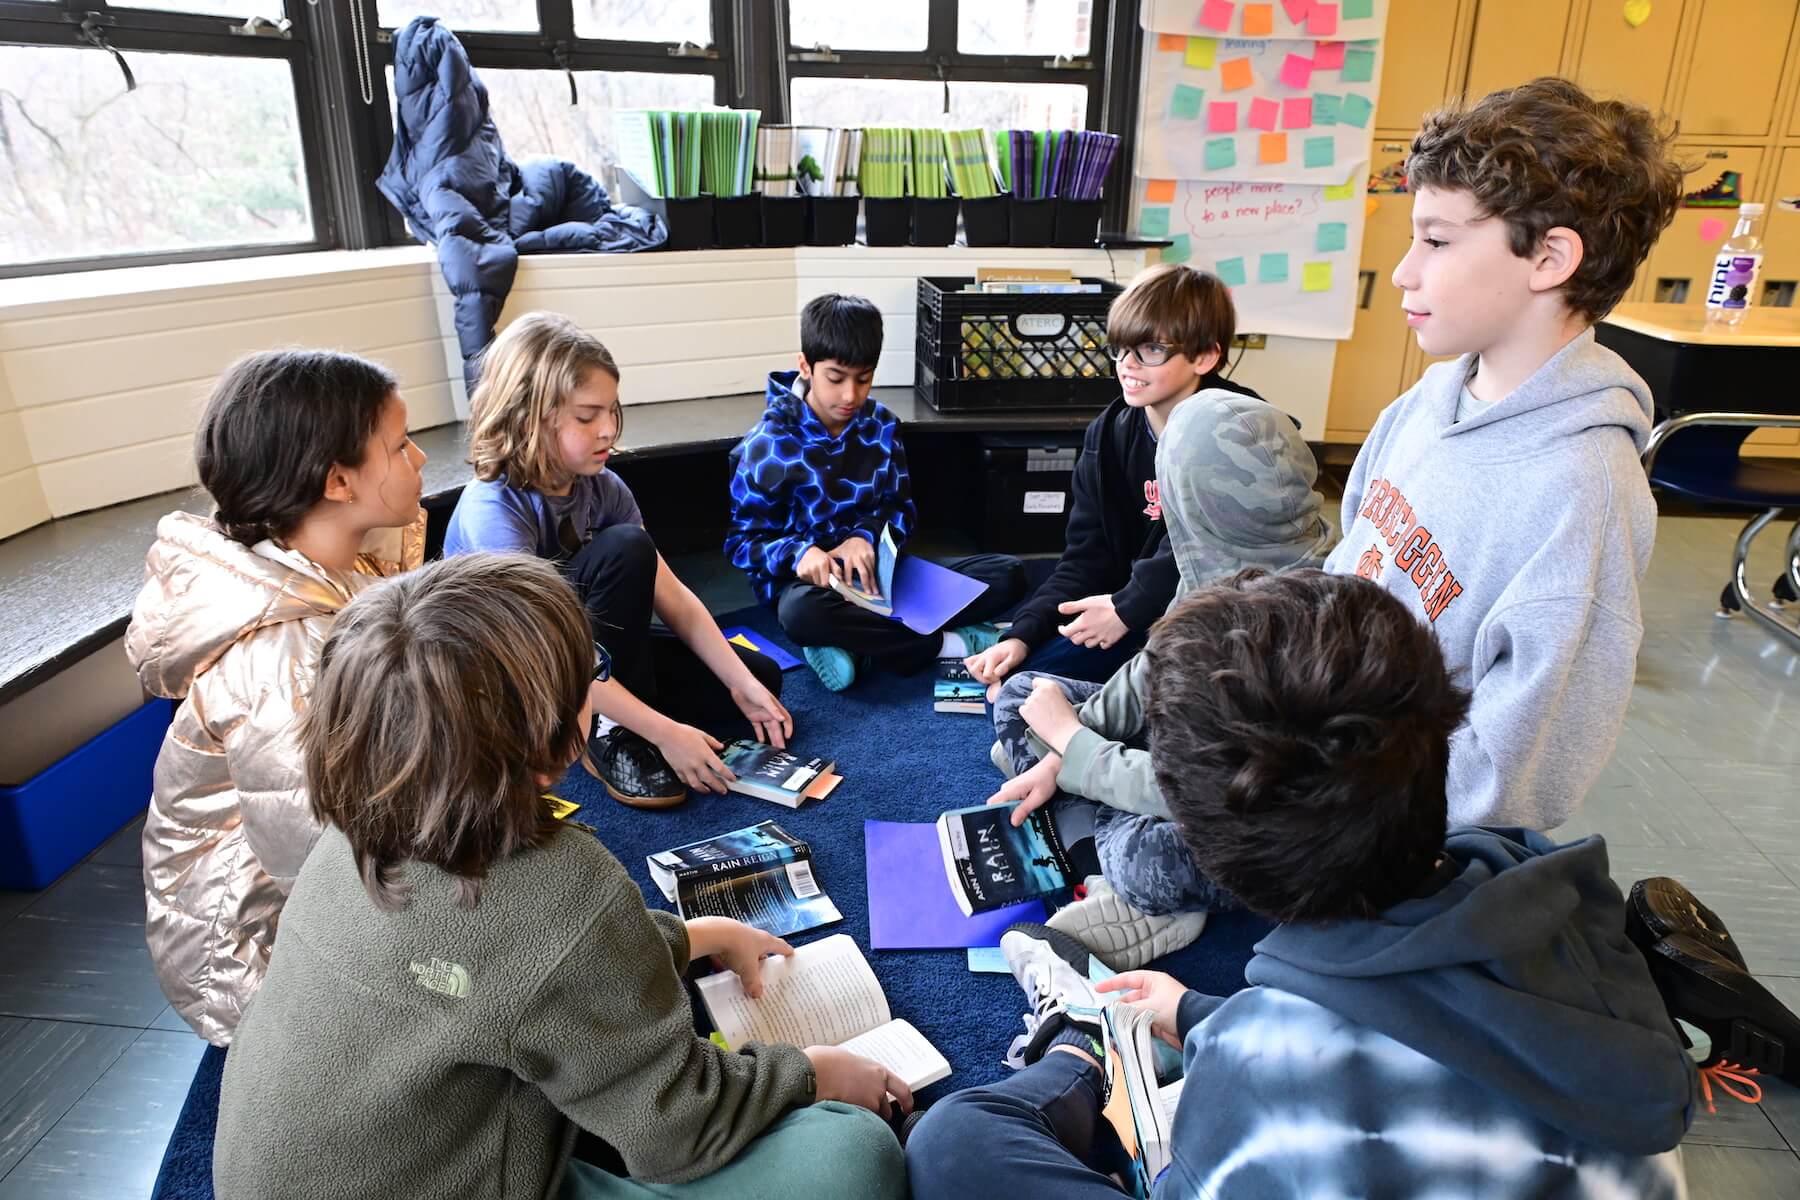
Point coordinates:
pixel 526 374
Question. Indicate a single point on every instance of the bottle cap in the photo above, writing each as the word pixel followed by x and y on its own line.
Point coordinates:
pixel 1750 210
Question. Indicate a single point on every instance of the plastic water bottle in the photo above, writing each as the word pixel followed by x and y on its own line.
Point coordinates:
pixel 1733 286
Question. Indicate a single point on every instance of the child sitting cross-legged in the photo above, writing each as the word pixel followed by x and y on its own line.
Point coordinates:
pixel 464 985
pixel 1433 1015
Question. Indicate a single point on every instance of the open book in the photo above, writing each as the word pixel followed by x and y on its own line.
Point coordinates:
pixel 881 600
pixel 761 875
pixel 825 995
pixel 1140 1107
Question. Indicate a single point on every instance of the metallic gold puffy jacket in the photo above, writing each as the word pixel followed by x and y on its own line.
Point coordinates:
pixel 233 632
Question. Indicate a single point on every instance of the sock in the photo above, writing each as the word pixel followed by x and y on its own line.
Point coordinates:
pixel 1077 1036
pixel 954 646
pixel 603 726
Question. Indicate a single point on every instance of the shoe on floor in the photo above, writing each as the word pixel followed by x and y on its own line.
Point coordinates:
pixel 1660 906
pixel 1052 968
pixel 1118 934
pixel 980 637
pixel 1747 1024
pixel 633 770
pixel 835 668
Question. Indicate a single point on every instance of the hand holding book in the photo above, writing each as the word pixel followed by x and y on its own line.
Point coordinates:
pixel 738 947
pixel 1157 991
pixel 855 562
pixel 1031 789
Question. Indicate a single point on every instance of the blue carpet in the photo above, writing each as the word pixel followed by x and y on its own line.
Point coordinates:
pixel 901 762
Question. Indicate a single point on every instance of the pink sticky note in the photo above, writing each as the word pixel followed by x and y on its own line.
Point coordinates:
pixel 1296 112
pixel 1711 229
pixel 1328 56
pixel 1297 10
pixel 1296 71
pixel 1322 20
pixel 1221 116
pixel 1263 114
pixel 1216 14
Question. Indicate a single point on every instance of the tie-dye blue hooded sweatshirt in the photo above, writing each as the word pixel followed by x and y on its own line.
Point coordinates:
pixel 793 485
pixel 1497 1037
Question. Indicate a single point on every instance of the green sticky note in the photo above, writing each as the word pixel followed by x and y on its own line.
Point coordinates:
pixel 1184 104
pixel 1325 108
pixel 1315 277
pixel 1201 53
pixel 1178 250
pixel 1231 272
pixel 1221 153
pixel 1333 235
pixel 1320 151
pixel 1341 191
pixel 1359 66
pixel 1356 110
pixel 1154 222
pixel 1271 268
pixel 1357 10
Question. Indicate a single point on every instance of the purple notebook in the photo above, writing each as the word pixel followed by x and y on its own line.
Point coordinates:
pixel 926 595
pixel 910 906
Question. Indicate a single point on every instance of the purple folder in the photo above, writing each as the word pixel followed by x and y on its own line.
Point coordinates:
pixel 926 595
pixel 910 905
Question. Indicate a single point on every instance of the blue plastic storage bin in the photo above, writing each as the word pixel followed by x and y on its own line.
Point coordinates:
pixel 57 817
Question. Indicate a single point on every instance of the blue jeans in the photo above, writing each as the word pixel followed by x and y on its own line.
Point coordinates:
pixel 1059 656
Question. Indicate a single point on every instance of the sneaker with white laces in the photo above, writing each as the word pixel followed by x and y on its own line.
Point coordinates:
pixel 1118 934
pixel 1052 968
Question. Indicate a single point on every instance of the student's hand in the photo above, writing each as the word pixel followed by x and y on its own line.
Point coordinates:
pixel 1031 788
pixel 738 947
pixel 693 754
pixel 856 562
pixel 856 1080
pixel 996 662
pixel 1096 623
pixel 774 725
pixel 814 567
pixel 1159 992
pixel 1049 714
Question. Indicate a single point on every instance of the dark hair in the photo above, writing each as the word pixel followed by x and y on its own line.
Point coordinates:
pixel 844 328
pixel 1545 154
pixel 274 426
pixel 1300 732
pixel 442 694
pixel 1174 303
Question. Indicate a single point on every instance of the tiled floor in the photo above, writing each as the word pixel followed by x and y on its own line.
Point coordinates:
pixel 93 1066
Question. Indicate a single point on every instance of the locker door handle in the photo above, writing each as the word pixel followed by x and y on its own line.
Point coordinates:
pixel 1365 289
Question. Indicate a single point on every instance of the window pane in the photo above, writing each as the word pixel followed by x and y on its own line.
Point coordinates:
pixel 503 15
pixel 857 102
pixel 206 152
pixel 1046 27
pixel 902 25
pixel 645 20
pixel 220 8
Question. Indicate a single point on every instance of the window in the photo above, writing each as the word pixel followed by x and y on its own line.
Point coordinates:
pixel 645 20
pixel 851 102
pixel 1045 27
pixel 461 14
pixel 842 26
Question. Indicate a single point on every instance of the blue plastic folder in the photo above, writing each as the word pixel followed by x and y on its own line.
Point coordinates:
pixel 748 638
pixel 910 905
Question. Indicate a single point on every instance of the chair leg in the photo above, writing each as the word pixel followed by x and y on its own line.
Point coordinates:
pixel 1787 584
pixel 1738 589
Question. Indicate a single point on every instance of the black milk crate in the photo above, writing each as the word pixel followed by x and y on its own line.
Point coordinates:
pixel 1044 350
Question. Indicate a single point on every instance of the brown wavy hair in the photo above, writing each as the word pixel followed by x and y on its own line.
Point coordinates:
pixel 526 374
pixel 442 695
pixel 1545 154
pixel 1188 309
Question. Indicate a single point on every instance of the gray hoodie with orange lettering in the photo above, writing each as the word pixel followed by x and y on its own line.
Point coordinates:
pixel 1521 536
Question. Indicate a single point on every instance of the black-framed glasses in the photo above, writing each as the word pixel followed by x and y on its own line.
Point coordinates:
pixel 1149 354
pixel 602 664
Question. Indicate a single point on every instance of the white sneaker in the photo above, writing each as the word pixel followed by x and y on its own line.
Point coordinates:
pixel 1052 969
pixel 1118 934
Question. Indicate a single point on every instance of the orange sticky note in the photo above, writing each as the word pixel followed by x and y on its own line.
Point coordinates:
pixel 1271 148
pixel 1235 73
pixel 1259 20
pixel 1171 41
pixel 1159 191
pixel 1370 205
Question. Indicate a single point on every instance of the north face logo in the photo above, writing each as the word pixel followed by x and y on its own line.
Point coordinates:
pixel 446 978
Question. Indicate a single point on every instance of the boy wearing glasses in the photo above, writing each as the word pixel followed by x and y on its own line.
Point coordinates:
pixel 1168 333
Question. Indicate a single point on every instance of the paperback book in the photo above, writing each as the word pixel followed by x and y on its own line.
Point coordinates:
pixel 881 599
pixel 782 776
pixel 761 875
pixel 954 690
pixel 1141 1100
pixel 991 863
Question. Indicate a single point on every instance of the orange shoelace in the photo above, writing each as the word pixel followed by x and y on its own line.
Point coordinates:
pixel 1733 1080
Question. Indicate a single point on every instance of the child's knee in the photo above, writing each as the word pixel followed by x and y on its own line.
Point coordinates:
pixel 630 547
pixel 797 610
pixel 859 1156
pixel 937 1149
pixel 1145 861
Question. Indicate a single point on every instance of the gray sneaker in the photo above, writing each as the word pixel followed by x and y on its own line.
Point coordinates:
pixel 1118 934
pixel 1052 968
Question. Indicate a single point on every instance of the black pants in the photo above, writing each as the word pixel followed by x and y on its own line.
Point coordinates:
pixel 816 616
pixel 615 576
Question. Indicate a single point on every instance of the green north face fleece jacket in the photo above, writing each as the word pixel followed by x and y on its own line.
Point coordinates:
pixel 441 1052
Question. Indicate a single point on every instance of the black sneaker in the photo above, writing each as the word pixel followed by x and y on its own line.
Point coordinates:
pixel 1747 1024
pixel 1660 906
pixel 633 770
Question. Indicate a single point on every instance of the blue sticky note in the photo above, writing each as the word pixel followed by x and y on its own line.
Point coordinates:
pixel 1332 236
pixel 1321 151
pixel 1356 110
pixel 1272 268
pixel 988 960
pixel 1357 10
pixel 1154 222
pixel 1221 153
pixel 1184 103
pixel 1178 250
pixel 1325 108
pixel 1231 272
pixel 1359 65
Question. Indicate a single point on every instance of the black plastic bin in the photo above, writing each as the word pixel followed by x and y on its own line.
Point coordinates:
pixel 737 220
pixel 831 220
pixel 1033 222
pixel 1077 222
pixel 1023 351
pixel 984 220
pixel 689 218
pixel 783 220
pixel 1029 484
pixel 934 220
pixel 887 220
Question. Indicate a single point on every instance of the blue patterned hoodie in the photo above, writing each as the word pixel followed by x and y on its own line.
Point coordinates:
pixel 1497 1036
pixel 793 485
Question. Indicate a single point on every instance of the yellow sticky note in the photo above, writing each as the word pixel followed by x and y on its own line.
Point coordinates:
pixel 1201 52
pixel 560 808
pixel 1341 191
pixel 1370 206
pixel 1233 74
pixel 1315 277
pixel 1159 191
pixel 1171 41
pixel 1259 20
pixel 738 639
pixel 1636 12
pixel 1271 148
